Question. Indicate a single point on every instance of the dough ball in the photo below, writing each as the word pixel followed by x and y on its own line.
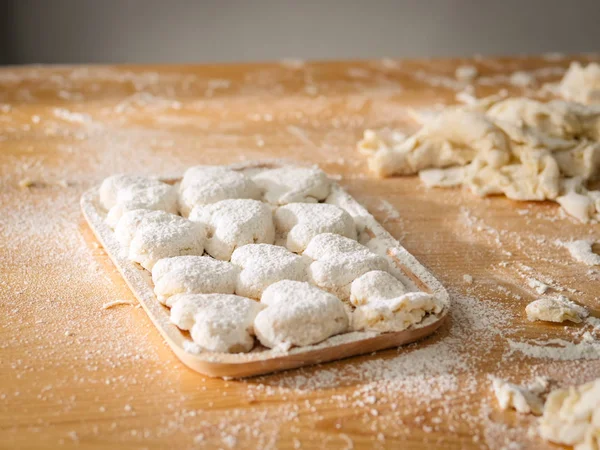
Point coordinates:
pixel 160 197
pixel 298 223
pixel 153 241
pixel 375 285
pixel 555 309
pixel 217 322
pixel 129 223
pixel 192 275
pixel 298 314
pixel 234 223
pixel 293 185
pixel 111 186
pixel 203 185
pixel 263 265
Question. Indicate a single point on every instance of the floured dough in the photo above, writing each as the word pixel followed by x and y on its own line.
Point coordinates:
pixel 298 314
pixel 233 223
pixel 203 185
pixel 555 309
pixel 263 265
pixel 192 275
pixel 217 322
pixel 581 84
pixel 129 223
pixel 394 314
pixel 339 261
pixel 519 147
pixel 572 416
pixel 111 186
pixel 293 185
pixel 525 400
pixel 375 285
pixel 161 197
pixel 153 241
pixel 298 223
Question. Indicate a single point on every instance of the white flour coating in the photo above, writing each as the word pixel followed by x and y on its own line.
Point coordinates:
pixel 375 285
pixel 111 186
pixel 203 185
pixel 298 223
pixel 293 185
pixel 217 322
pixel 581 250
pixel 131 221
pixel 159 197
pixel 555 309
pixel 581 84
pixel 525 400
pixel 262 265
pixel 298 314
pixel 233 223
pixel 559 349
pixel 192 275
pixel 327 244
pixel 339 261
pixel 519 147
pixel 394 314
pixel 153 241
pixel 572 416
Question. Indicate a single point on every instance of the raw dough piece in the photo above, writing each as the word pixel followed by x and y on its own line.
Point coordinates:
pixel 218 322
pixel 154 240
pixel 375 285
pixel 203 185
pixel 581 84
pixel 263 265
pixel 525 400
pixel 555 309
pixel 339 261
pixel 581 251
pixel 298 223
pixel 298 314
pixel 161 197
pixel 132 220
pixel 192 275
pixel 572 416
pixel 293 185
pixel 394 314
pixel 233 223
pixel 111 186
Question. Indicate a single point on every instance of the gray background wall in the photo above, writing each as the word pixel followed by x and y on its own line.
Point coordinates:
pixel 95 31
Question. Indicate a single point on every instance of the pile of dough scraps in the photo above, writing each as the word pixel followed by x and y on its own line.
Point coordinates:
pixel 523 148
pixel 264 256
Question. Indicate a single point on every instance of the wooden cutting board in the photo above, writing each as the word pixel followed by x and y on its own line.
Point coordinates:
pixel 77 375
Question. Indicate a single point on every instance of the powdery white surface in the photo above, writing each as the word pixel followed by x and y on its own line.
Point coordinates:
pixel 113 185
pixel 555 309
pixel 203 185
pixel 153 241
pixel 581 250
pixel 160 197
pixel 262 265
pixel 192 275
pixel 525 400
pixel 572 416
pixel 234 223
pixel 131 221
pixel 217 322
pixel 375 285
pixel 339 261
pixel 298 223
pixel 293 185
pixel 394 314
pixel 298 314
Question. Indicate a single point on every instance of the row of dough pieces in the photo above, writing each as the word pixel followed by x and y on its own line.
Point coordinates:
pixel 171 247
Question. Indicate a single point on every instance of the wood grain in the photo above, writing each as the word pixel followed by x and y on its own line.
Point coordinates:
pixel 75 375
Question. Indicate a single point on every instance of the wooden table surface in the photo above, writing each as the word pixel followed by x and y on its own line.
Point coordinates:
pixel 75 375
